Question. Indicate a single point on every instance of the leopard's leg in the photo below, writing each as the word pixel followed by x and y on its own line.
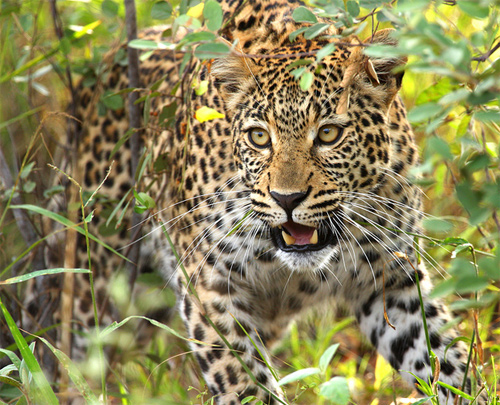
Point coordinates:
pixel 224 374
pixel 405 345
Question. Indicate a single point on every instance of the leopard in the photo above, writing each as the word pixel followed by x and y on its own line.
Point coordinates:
pixel 292 198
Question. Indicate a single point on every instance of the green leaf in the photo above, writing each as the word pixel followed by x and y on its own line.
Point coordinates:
pixel 487 116
pixel 29 186
pixel 210 51
pixel 161 10
pixel 471 284
pixel 74 373
pixel 438 145
pixel 325 51
pixel 478 162
pixel 443 289
pixel 306 80
pixel 112 101
pixel 490 267
pixel 143 44
pixel 198 37
pixel 26 170
pixel 299 62
pixel 382 51
pixel 213 14
pixel 167 114
pixel 454 97
pixel 474 8
pixel 437 225
pixel 303 14
pixel 455 241
pixel 336 390
pixel 296 33
pixel 314 30
pixel 11 381
pixel 370 4
pixel 471 200
pixel 456 391
pixel 352 8
pixel 145 199
pixel 423 112
pixel 41 393
pixel 327 357
pixel 89 217
pixel 299 375
pixel 13 358
pixel 110 8
pixel 38 273
pixel 57 189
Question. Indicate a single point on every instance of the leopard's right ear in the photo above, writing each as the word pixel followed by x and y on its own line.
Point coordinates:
pixel 233 75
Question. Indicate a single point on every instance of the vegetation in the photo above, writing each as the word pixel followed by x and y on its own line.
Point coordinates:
pixel 451 89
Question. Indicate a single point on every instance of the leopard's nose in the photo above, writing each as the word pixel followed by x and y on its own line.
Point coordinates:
pixel 289 201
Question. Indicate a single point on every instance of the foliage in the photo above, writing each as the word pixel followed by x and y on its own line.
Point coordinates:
pixel 451 87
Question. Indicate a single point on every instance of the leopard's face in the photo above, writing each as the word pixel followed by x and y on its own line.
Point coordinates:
pixel 307 155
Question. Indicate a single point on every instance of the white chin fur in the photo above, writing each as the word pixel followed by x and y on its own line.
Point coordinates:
pixel 310 261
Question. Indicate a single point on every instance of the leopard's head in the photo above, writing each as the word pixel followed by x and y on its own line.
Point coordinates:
pixel 302 153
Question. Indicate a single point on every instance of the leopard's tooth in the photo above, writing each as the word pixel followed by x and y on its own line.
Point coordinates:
pixel 289 240
pixel 314 237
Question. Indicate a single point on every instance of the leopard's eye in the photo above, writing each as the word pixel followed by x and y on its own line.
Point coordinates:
pixel 259 138
pixel 330 134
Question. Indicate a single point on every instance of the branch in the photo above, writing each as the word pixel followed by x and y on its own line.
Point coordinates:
pixel 485 56
pixel 135 123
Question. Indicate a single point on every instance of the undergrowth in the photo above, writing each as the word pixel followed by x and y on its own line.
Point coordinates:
pixel 451 89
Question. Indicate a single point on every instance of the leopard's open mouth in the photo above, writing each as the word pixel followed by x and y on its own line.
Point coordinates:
pixel 294 237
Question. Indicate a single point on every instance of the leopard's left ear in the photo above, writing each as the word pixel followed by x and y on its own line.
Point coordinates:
pixel 232 75
pixel 387 72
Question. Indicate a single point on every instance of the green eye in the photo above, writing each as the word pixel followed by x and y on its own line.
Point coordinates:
pixel 259 138
pixel 330 134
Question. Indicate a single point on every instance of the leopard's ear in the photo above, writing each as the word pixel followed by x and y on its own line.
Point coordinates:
pixel 232 77
pixel 387 72
pixel 380 75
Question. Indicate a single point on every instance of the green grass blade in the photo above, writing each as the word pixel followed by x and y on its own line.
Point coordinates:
pixel 65 221
pixel 73 373
pixel 42 393
pixel 33 274
pixel 13 357
pixel 19 117
pixel 115 325
pixel 299 375
pixel 456 391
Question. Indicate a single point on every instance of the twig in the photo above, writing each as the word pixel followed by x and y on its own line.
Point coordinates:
pixel 486 55
pixel 68 283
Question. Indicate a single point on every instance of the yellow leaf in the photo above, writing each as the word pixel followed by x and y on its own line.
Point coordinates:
pixel 207 114
pixel 196 11
pixel 200 88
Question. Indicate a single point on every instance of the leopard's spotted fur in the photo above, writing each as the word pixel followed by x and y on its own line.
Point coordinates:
pixel 354 191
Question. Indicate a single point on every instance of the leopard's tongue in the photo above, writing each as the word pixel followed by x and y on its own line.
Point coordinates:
pixel 297 234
